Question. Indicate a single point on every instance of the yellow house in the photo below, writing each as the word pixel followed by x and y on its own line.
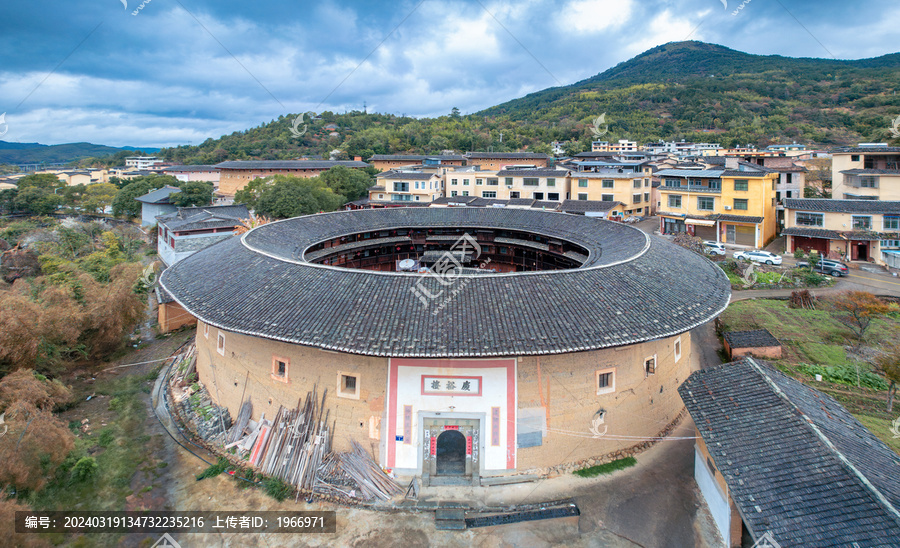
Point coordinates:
pixel 866 172
pixel 406 186
pixel 473 181
pixel 612 181
pixel 847 230
pixel 550 185
pixel 734 204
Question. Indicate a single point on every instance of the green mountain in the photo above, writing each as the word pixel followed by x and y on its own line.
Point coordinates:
pixel 682 90
pixel 36 153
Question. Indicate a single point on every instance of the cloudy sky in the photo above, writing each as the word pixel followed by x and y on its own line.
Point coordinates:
pixel 168 72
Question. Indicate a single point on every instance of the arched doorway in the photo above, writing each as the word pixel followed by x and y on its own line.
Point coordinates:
pixel 451 454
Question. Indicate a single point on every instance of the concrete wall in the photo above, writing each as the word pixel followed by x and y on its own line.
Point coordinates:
pixel 564 386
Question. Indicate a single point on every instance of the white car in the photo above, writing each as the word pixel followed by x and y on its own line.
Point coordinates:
pixel 758 257
pixel 714 248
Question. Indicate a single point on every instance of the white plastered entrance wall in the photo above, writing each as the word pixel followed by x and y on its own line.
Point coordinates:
pixel 425 392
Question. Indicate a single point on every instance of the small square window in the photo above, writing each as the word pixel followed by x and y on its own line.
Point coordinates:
pixel 677 349
pixel 348 385
pixel 605 380
pixel 220 345
pixel 280 368
pixel 650 366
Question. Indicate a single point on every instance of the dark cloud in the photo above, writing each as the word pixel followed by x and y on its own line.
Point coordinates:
pixel 182 70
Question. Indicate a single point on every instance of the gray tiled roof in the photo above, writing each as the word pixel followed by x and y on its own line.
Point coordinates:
pixel 539 172
pixel 751 339
pixel 158 196
pixel 871 172
pixel 581 206
pixel 795 461
pixel 415 157
pixel 194 218
pixel 288 164
pixel 863 150
pixel 809 232
pixel 843 206
pixel 262 285
pixel 509 155
pixel 728 217
pixel 191 168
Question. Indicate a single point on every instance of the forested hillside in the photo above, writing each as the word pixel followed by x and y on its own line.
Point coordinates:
pixel 685 90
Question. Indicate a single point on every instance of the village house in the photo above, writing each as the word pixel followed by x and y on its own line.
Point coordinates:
pixel 384 162
pixel 847 230
pixel 734 204
pixel 540 184
pixel 495 161
pixel 866 172
pixel 406 186
pixel 204 173
pixel 236 174
pixel 614 181
pixel 155 203
pixel 190 229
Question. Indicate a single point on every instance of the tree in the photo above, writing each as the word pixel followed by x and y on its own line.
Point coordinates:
pixel 193 193
pixel 45 181
pixel 857 309
pixel 888 364
pixel 293 196
pixel 350 183
pixel 124 203
pixel 37 200
pixel 99 196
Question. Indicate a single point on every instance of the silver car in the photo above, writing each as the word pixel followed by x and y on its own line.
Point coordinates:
pixel 758 257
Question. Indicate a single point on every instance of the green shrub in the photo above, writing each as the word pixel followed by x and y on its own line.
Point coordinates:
pixel 214 470
pixel 277 489
pixel 84 470
pixel 845 374
pixel 813 279
pixel 607 468
pixel 106 437
pixel 799 254
pixel 116 404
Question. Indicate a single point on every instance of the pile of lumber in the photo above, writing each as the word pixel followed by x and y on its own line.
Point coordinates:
pixel 295 446
pixel 355 475
pixel 185 365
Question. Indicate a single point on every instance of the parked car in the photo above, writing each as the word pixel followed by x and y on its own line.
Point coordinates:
pixel 714 248
pixel 633 219
pixel 827 266
pixel 758 257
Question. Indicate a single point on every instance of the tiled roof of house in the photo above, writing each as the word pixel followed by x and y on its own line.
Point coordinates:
pixel 415 157
pixel 871 172
pixel 191 168
pixel 809 232
pixel 204 217
pixel 539 172
pixel 509 155
pixel 261 284
pixel 863 150
pixel 158 196
pixel 755 338
pixel 842 206
pixel 288 164
pixel 728 217
pixel 796 463
pixel 582 206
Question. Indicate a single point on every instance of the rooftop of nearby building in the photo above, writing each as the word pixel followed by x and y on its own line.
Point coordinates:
pixel 509 155
pixel 158 196
pixel 288 164
pixel 415 157
pixel 204 217
pixel 410 175
pixel 829 205
pixel 585 206
pixel 755 338
pixel 191 168
pixel 797 464
pixel 280 295
pixel 532 172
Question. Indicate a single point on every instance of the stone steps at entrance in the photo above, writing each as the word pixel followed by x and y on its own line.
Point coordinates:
pixel 450 519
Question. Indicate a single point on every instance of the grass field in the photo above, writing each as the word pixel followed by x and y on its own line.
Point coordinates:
pixel 816 337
